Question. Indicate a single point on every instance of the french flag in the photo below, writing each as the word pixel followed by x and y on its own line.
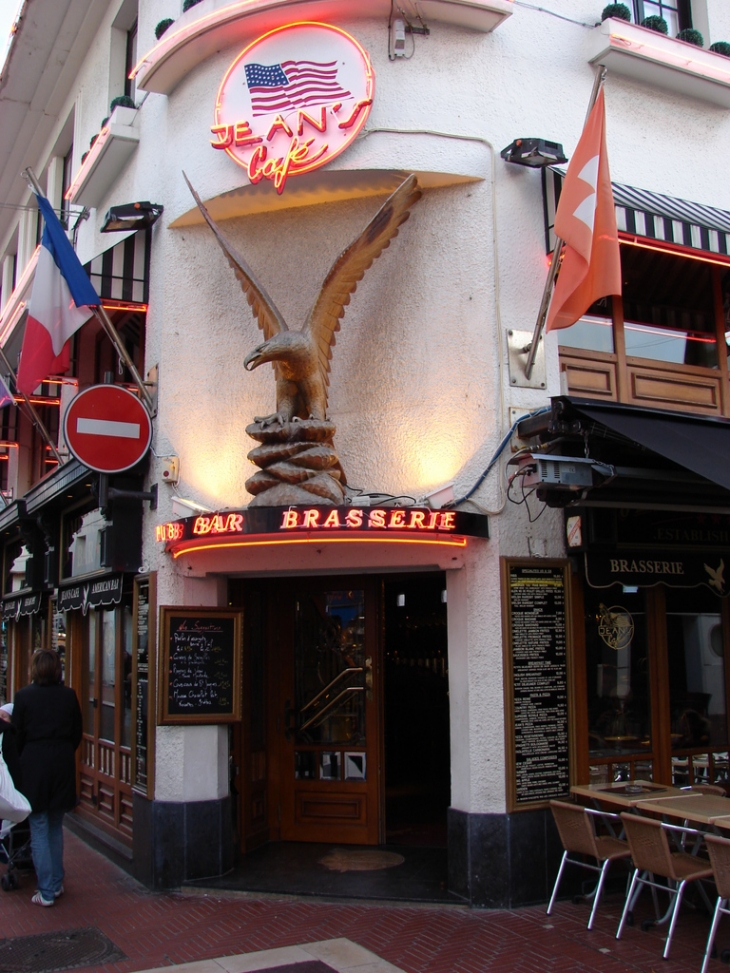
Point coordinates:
pixel 60 302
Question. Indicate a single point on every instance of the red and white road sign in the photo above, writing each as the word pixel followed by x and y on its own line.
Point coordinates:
pixel 107 428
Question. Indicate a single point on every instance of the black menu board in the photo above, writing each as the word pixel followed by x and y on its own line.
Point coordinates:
pixel 201 665
pixel 536 680
pixel 143 672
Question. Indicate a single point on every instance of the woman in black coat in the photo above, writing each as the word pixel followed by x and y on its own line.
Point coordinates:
pixel 47 718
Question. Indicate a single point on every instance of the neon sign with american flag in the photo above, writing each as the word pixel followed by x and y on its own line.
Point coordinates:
pixel 292 101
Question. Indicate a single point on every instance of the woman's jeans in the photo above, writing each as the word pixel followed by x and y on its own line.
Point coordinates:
pixel 46 841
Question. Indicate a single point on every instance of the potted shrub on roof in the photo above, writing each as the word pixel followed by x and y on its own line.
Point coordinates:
pixel 721 47
pixel 618 10
pixel 658 24
pixel 691 36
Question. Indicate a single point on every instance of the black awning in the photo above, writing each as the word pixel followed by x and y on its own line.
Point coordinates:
pixel 699 444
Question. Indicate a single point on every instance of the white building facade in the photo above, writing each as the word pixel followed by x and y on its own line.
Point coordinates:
pixel 383 683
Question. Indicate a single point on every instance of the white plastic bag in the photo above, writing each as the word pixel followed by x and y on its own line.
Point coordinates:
pixel 14 806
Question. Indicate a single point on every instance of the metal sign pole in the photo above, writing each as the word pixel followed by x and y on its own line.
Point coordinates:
pixel 555 259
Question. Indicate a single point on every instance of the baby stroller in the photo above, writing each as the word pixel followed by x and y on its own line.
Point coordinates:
pixel 15 852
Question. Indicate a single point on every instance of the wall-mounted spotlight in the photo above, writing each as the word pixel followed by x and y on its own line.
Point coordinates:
pixel 535 153
pixel 131 216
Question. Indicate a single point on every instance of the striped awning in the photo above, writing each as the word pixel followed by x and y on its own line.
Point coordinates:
pixel 651 215
pixel 121 273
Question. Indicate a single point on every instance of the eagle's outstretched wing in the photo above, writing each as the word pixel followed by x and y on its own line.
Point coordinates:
pixel 350 266
pixel 267 314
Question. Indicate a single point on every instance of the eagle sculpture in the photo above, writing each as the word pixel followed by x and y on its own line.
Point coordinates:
pixel 301 359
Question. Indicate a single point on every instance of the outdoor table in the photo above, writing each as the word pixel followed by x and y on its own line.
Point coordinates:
pixel 698 809
pixel 616 796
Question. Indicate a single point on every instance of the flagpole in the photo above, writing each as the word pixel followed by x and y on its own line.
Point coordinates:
pixel 32 409
pixel 555 258
pixel 105 321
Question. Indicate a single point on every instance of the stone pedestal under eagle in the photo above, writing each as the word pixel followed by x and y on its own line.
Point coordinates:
pixel 296 459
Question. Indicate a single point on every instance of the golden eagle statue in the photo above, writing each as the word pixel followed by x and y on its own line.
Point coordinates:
pixel 297 460
pixel 302 358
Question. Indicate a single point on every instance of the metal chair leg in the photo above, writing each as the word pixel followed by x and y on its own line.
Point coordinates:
pixel 713 929
pixel 675 915
pixel 557 882
pixel 599 889
pixel 627 903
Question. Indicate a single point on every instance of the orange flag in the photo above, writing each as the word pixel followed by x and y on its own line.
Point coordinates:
pixel 586 221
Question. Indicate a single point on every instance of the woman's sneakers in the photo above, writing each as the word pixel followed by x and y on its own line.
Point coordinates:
pixel 39 900
pixel 58 894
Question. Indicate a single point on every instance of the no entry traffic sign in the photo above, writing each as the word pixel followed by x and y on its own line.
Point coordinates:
pixel 107 428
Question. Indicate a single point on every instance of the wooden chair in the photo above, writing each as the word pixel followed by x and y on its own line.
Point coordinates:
pixel 706 789
pixel 719 851
pixel 578 835
pixel 653 857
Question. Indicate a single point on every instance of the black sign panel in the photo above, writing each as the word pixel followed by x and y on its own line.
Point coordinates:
pixel 142 708
pixel 674 568
pixel 536 649
pixel 201 666
pixel 15 608
pixel 94 593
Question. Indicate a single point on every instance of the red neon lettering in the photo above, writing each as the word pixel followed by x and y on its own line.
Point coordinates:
pixel 290 519
pixel 349 122
pixel 201 525
pixel 320 125
pixel 416 521
pixel 447 521
pixel 433 520
pixel 333 520
pixel 376 518
pixel 277 170
pixel 225 136
pixel 234 523
pixel 278 124
pixel 354 518
pixel 311 518
pixel 160 534
pixel 397 518
pixel 217 525
pixel 242 134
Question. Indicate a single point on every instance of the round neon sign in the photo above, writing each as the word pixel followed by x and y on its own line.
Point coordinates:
pixel 292 101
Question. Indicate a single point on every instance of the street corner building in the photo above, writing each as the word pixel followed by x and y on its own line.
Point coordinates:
pixel 338 543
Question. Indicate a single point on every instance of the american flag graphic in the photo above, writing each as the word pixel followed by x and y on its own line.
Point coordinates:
pixel 292 85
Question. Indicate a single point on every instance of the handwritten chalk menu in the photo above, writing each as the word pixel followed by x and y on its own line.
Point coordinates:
pixel 201 674
pixel 536 660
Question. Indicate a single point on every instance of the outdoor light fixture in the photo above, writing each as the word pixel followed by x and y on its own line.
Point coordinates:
pixel 131 216
pixel 535 153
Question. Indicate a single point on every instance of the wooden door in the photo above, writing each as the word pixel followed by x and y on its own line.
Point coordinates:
pixel 327 690
pixel 105 696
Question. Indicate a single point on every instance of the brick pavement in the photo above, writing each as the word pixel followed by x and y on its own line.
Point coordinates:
pixel 163 929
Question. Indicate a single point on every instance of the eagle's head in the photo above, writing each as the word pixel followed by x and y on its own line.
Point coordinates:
pixel 287 346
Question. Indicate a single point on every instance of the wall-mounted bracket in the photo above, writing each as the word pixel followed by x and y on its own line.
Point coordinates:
pixel 518 348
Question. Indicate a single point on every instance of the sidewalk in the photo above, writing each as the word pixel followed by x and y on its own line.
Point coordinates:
pixel 158 930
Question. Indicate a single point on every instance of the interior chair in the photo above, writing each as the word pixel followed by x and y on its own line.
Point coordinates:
pixel 652 857
pixel 719 851
pixel 706 789
pixel 577 832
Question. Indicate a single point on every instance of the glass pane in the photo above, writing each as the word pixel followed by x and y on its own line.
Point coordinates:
pixel 591 333
pixel 663 344
pixel 696 672
pixel 88 669
pixel 330 668
pixel 126 740
pixel 108 675
pixel 619 714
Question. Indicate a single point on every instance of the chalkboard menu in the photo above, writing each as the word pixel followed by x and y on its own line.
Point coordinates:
pixel 143 675
pixel 536 680
pixel 201 665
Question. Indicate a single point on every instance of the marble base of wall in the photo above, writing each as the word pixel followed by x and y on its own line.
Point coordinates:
pixel 176 843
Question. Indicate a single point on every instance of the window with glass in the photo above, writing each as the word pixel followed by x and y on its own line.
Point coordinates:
pixel 677 13
pixel 667 313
